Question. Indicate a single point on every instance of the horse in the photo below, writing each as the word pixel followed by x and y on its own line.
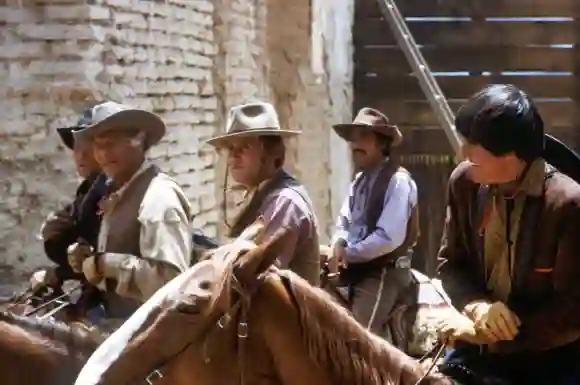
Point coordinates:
pixel 46 351
pixel 234 319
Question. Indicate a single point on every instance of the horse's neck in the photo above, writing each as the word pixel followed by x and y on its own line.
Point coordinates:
pixel 332 339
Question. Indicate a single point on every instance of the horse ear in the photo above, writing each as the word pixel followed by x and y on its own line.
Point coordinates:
pixel 258 260
pixel 254 232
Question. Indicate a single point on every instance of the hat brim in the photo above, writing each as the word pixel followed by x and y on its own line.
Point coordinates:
pixel 344 131
pixel 67 136
pixel 219 141
pixel 150 123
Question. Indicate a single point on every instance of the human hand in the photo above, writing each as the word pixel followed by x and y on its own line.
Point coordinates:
pixel 92 269
pixel 77 253
pixel 457 327
pixel 43 278
pixel 338 258
pixel 495 320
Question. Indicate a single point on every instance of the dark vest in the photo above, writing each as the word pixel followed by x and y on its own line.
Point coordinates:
pixel 306 261
pixel 373 211
pixel 124 236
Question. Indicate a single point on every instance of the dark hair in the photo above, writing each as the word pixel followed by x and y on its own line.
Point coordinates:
pixel 502 119
pixel 274 146
pixel 386 143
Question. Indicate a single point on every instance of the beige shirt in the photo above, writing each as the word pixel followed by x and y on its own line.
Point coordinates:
pixel 498 269
pixel 164 242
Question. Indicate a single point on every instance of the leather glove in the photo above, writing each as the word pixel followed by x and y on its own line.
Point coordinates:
pixel 76 255
pixel 93 269
pixel 43 278
pixel 495 320
pixel 457 327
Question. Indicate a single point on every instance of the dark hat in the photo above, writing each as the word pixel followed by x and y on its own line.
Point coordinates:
pixel 371 119
pixel 66 133
pixel 110 116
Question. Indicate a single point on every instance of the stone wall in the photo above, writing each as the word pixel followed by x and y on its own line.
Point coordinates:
pixel 188 61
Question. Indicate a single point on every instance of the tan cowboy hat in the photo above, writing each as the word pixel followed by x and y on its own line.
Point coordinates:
pixel 251 119
pixel 371 119
pixel 115 116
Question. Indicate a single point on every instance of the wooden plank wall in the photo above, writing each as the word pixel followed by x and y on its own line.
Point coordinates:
pixel 467 44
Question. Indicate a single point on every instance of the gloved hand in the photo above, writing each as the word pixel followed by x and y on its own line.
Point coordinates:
pixel 495 320
pixel 77 253
pixel 42 278
pixel 93 269
pixel 457 327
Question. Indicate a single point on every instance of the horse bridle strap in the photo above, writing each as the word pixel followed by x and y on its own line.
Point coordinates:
pixel 242 305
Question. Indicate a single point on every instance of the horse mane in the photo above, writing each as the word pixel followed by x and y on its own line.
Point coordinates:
pixel 56 334
pixel 347 351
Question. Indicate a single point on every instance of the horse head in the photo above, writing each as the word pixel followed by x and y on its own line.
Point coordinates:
pixel 180 315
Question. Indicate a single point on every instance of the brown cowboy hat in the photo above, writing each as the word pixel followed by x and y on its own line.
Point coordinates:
pixel 252 119
pixel 110 116
pixel 371 119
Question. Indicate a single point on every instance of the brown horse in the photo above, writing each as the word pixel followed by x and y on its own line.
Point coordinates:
pixel 34 351
pixel 233 320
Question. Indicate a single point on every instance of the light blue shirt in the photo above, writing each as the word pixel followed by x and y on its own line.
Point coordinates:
pixel 399 201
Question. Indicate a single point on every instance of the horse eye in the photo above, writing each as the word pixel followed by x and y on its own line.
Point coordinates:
pixel 205 285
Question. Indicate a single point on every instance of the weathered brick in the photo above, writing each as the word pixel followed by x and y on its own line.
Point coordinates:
pixel 169 58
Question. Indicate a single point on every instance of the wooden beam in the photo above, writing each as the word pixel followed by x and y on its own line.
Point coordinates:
pixel 376 32
pixel 482 8
pixel 461 87
pixel 391 60
pixel 420 114
pixel 433 141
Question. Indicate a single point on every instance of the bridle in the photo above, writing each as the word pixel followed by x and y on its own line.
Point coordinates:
pixel 240 310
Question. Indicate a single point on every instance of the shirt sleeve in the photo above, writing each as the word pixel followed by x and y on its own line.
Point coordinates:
pixel 165 245
pixel 400 198
pixel 344 219
pixel 281 212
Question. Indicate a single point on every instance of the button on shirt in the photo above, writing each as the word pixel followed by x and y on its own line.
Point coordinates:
pixel 399 201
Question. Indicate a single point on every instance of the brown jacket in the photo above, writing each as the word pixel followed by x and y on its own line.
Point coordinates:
pixel 546 276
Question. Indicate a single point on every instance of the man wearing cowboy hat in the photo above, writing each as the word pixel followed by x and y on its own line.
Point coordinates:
pixel 144 239
pixel 78 221
pixel 378 222
pixel 255 147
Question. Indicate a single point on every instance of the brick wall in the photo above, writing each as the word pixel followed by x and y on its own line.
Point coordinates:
pixel 188 61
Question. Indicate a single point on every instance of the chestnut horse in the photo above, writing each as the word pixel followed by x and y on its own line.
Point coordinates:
pixel 47 352
pixel 233 319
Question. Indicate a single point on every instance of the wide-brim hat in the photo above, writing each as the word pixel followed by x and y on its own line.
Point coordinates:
pixel 369 118
pixel 111 116
pixel 251 119
pixel 67 133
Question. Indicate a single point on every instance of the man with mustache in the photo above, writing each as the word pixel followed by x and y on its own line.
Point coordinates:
pixel 510 248
pixel 378 222
pixel 144 238
pixel 76 222
pixel 254 143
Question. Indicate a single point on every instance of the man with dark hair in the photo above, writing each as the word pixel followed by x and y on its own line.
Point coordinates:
pixel 78 221
pixel 509 250
pixel 255 148
pixel 378 223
